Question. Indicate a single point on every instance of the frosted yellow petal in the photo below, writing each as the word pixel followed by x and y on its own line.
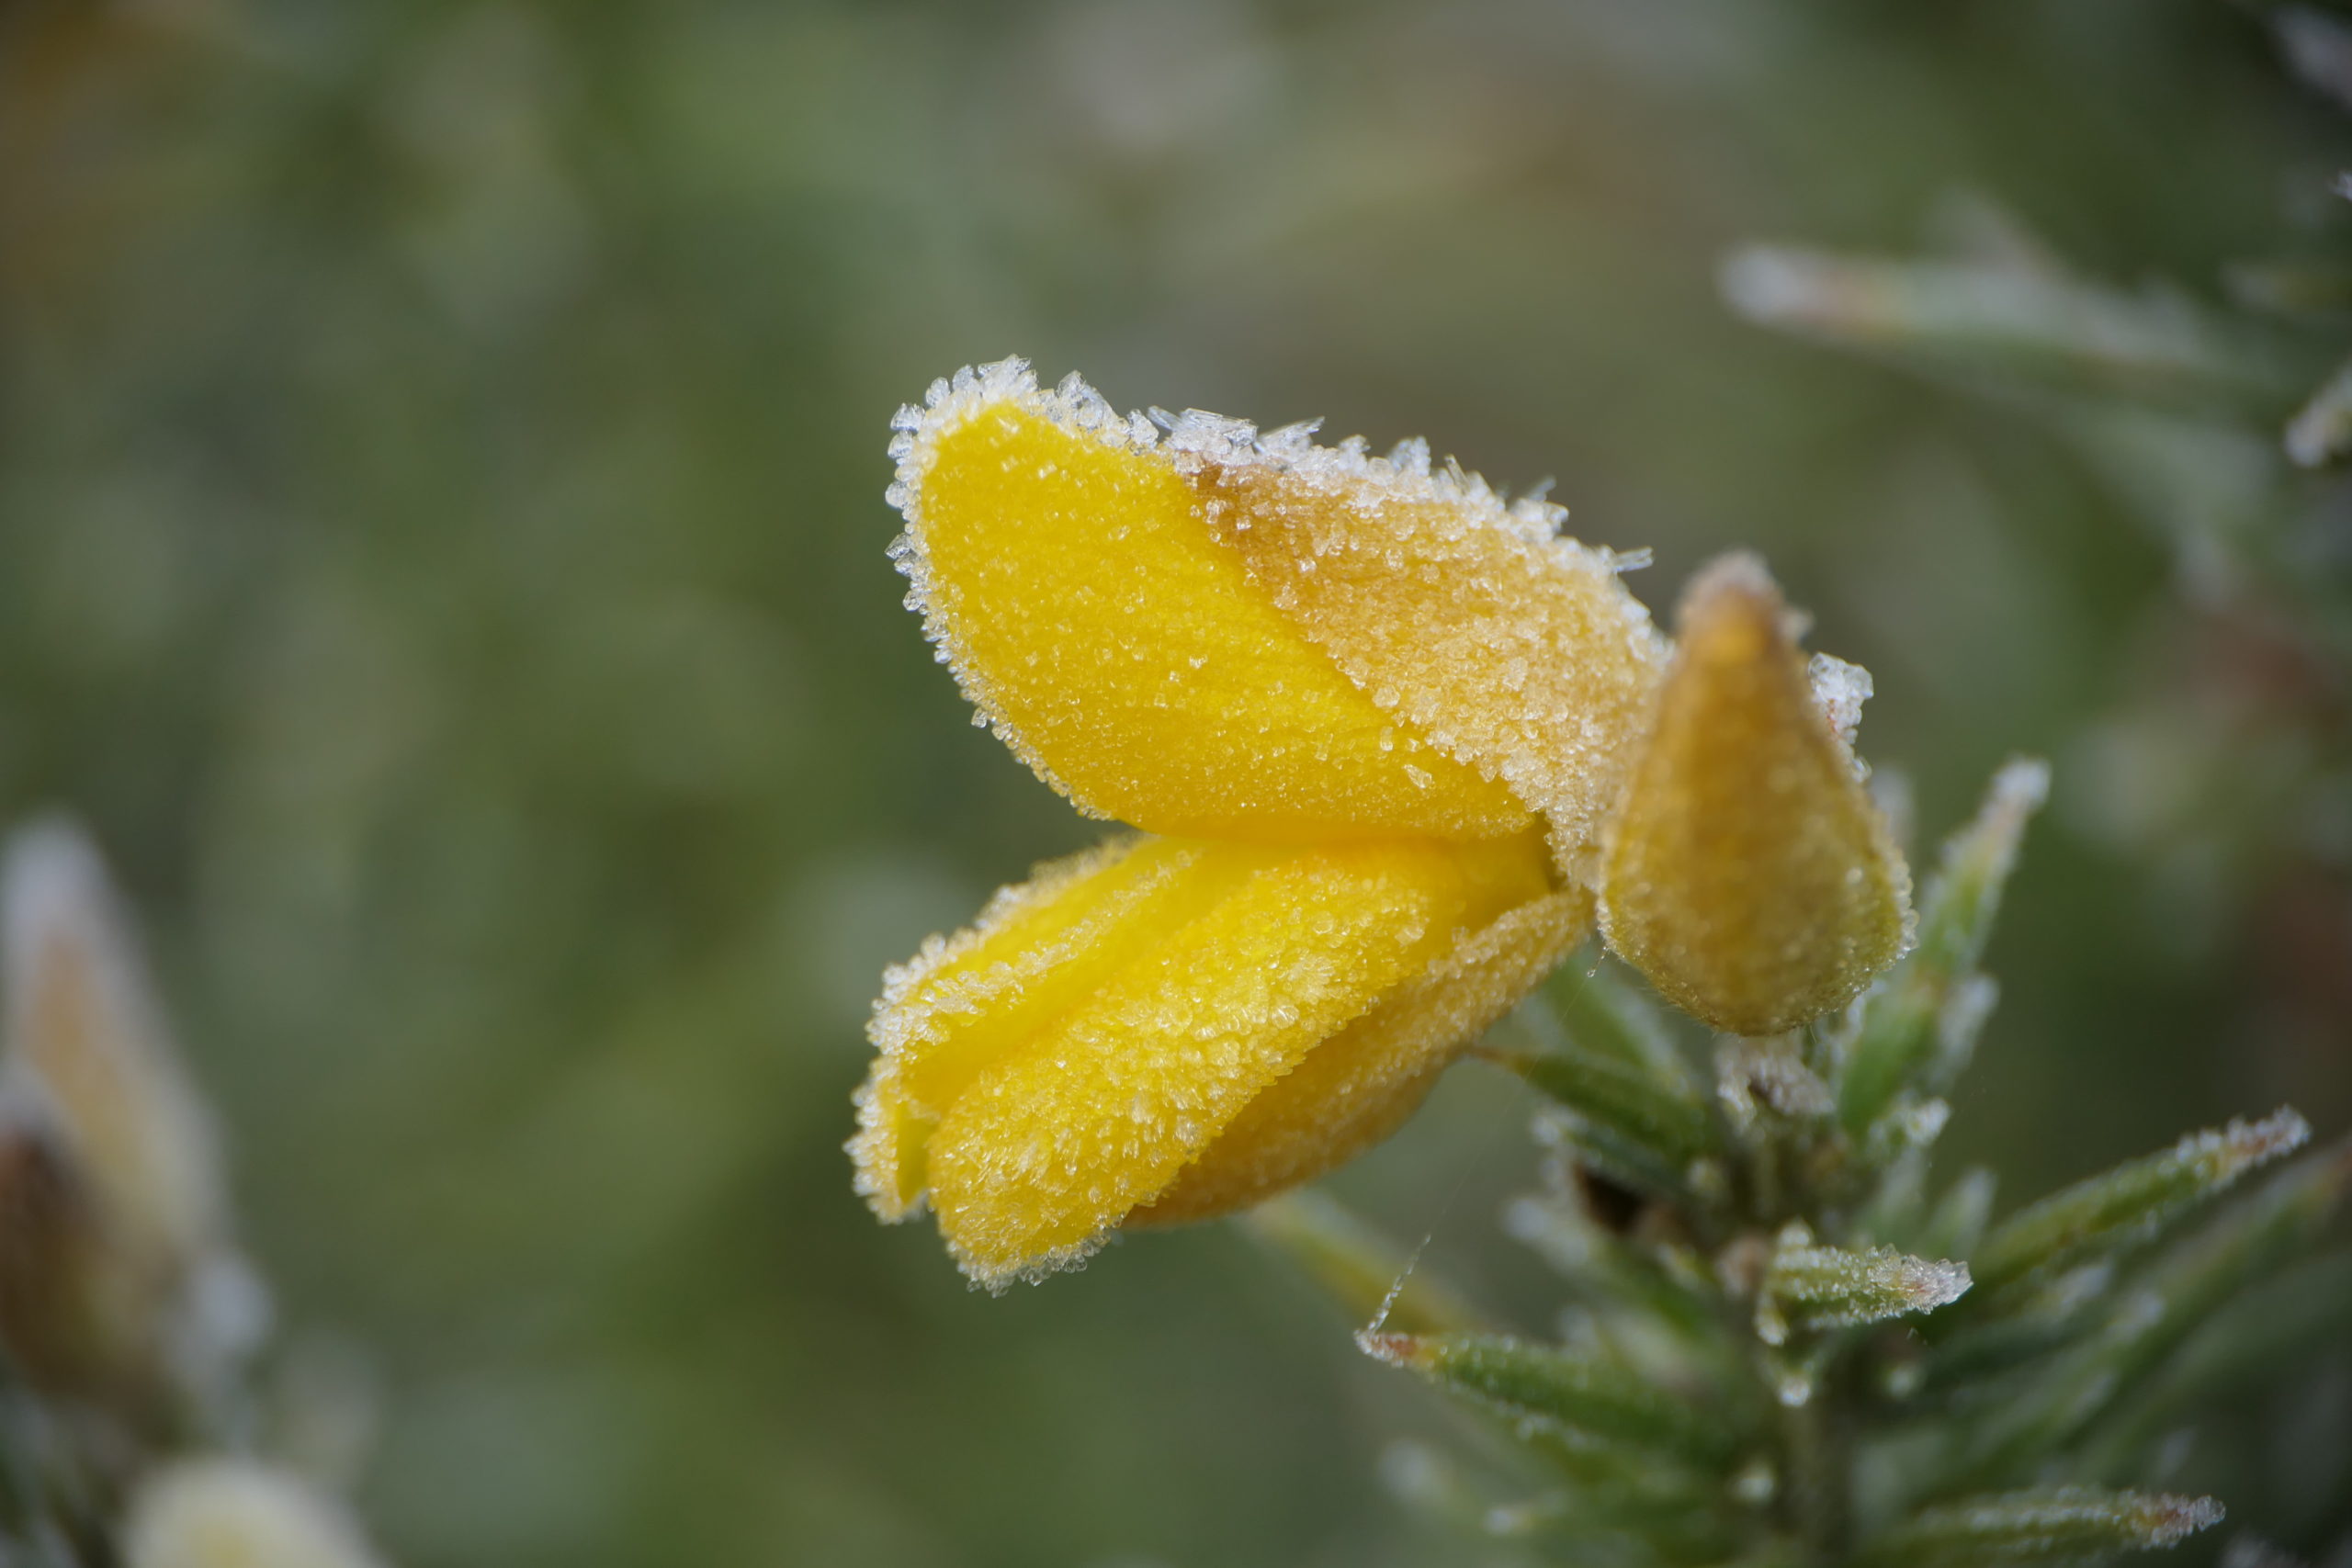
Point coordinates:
pixel 1036 949
pixel 1060 1138
pixel 1515 650
pixel 1358 1087
pixel 1748 875
pixel 1122 651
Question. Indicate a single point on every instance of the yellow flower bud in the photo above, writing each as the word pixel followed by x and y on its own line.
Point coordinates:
pixel 1748 874
pixel 1181 1026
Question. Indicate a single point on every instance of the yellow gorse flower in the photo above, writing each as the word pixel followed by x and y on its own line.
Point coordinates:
pixel 1377 728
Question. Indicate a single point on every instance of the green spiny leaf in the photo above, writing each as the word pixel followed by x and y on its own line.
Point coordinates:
pixel 2121 1207
pixel 1895 1037
pixel 1671 1509
pixel 1628 1101
pixel 1597 1401
pixel 1597 1012
pixel 1955 1226
pixel 2056 1525
pixel 2058 1314
pixel 2249 1341
pixel 2300 287
pixel 2164 1305
pixel 1593 1145
pixel 2321 431
pixel 1654 1306
pixel 2011 327
pixel 1820 1288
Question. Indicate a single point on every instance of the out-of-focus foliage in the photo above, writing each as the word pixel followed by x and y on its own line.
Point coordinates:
pixel 441 556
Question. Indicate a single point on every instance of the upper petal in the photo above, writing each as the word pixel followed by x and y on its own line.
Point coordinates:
pixel 1517 649
pixel 1065 569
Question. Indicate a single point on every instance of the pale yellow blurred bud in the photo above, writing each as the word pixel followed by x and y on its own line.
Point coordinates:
pixel 117 1278
pixel 1748 873
pixel 236 1513
pixel 83 1025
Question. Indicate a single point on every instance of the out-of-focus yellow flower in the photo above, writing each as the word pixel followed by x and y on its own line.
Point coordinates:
pixel 1748 874
pixel 1384 724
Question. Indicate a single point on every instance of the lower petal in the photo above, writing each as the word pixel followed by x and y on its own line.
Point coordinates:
pixel 1039 948
pixel 1061 1141
pixel 1357 1088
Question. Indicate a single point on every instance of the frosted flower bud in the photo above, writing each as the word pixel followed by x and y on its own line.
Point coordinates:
pixel 1748 874
pixel 1164 1029
pixel 236 1513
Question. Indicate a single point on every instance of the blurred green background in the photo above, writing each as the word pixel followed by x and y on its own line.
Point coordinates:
pixel 441 556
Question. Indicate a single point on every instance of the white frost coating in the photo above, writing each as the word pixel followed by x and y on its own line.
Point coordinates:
pixel 1842 689
pixel 1751 1074
pixel 2030 1524
pixel 1406 474
pixel 1508 643
pixel 2229 1152
pixel 1930 1283
pixel 1918 1124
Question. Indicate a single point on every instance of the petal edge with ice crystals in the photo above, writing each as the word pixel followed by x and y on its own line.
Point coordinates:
pixel 1512 645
